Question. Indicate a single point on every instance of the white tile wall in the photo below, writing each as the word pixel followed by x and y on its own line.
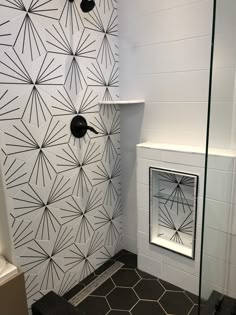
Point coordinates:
pixel 160 5
pixel 191 86
pixel 176 269
pixel 164 58
pixel 219 246
pixel 164 50
pixel 193 54
pixel 176 23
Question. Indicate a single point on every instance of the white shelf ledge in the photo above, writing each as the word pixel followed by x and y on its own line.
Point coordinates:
pixel 187 149
pixel 128 102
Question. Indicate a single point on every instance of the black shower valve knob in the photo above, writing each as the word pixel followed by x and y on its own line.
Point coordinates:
pixel 87 5
pixel 79 127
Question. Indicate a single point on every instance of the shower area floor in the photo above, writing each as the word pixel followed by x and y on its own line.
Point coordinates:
pixel 131 291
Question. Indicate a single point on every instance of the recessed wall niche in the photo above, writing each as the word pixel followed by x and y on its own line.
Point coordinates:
pixel 173 210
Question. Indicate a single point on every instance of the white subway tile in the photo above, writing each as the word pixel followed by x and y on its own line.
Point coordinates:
pixel 190 86
pixel 223 163
pixel 143 221
pixel 215 243
pixel 149 250
pixel 184 55
pixel 213 271
pixel 130 244
pixel 158 5
pixel 178 115
pixel 149 265
pixel 223 85
pixel 225 49
pixel 183 22
pixel 219 185
pixel 143 196
pixel 231 279
pixel 180 278
pixel 149 154
pixel 217 215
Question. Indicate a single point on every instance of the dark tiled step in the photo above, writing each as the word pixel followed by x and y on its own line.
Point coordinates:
pixel 219 304
pixel 53 304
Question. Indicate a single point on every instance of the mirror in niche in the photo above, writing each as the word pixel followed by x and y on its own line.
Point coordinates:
pixel 173 210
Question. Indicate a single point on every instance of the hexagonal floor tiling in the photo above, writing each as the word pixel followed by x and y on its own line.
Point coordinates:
pixel 149 290
pixel 133 292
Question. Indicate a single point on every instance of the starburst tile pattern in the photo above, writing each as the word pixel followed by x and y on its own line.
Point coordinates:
pixel 173 210
pixel 57 62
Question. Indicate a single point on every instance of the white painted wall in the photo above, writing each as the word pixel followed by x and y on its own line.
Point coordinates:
pixel 165 59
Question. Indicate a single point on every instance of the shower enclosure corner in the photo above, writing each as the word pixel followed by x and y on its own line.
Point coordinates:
pixel 218 252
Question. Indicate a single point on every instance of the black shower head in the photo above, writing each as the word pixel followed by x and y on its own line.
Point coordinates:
pixel 87 5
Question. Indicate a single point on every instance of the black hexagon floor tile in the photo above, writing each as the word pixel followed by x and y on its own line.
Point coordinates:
pixel 125 278
pixel 194 310
pixel 122 299
pixel 112 312
pixel 104 289
pixel 176 303
pixel 149 289
pixel 124 289
pixel 147 307
pixel 145 275
pixel 92 305
pixel 192 297
pixel 170 287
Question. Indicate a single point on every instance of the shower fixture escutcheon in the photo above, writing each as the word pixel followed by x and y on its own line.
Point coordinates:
pixel 79 127
pixel 87 5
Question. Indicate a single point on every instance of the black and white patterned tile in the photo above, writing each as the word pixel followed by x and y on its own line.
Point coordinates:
pixel 64 193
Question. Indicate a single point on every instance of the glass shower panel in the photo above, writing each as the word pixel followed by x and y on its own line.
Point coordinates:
pixel 219 235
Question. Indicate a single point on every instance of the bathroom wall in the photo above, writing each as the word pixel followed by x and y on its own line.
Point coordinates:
pixel 222 128
pixel 63 193
pixel 219 260
pixel 164 59
pixel 219 257
pixel 161 262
